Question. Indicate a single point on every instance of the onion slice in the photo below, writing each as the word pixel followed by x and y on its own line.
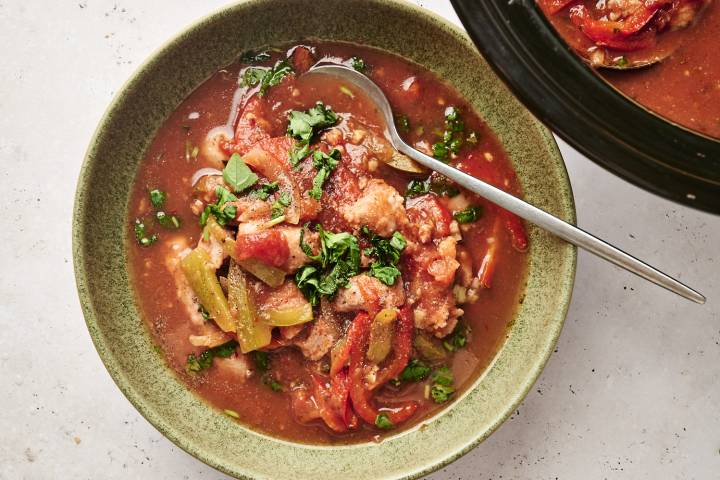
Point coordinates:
pixel 202 173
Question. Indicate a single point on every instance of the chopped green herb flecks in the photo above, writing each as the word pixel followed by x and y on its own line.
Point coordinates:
pixel 468 215
pixel 265 77
pixel 223 213
pixel 196 364
pixel 338 260
pixel 157 198
pixel 358 64
pixel 205 314
pixel 171 222
pixel 303 125
pixel 387 252
pixel 439 187
pixel 452 137
pixel 382 421
pixel 278 207
pixel 238 175
pixel 324 164
pixel 270 381
pixel 458 338
pixel 262 361
pixel 264 191
pixel 402 122
pixel 142 237
pixel 442 385
pixel 415 371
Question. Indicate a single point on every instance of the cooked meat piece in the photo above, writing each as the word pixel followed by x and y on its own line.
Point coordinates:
pixel 285 296
pixel 429 219
pixel 432 271
pixel 237 365
pixel 206 187
pixel 250 209
pixel 324 332
pixel 380 207
pixel 214 249
pixel 297 257
pixel 364 290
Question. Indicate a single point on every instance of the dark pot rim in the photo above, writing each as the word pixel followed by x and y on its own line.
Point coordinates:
pixel 592 116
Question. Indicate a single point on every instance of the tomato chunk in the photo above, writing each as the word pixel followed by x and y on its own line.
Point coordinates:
pixel 268 246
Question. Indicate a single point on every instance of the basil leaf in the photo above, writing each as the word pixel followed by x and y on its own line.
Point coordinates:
pixel 415 371
pixel 325 164
pixel 383 422
pixel 303 125
pixel 238 175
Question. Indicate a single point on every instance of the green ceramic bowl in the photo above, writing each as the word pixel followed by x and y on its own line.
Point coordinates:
pixel 100 257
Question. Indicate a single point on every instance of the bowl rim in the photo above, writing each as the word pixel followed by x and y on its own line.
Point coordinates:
pixel 165 427
pixel 656 154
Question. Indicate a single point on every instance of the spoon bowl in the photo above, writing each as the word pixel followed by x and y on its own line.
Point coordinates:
pixel 519 207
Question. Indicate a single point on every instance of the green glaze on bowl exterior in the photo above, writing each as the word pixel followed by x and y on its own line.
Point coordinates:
pixel 100 225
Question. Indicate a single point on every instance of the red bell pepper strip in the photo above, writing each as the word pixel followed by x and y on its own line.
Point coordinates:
pixel 333 400
pixel 489 261
pixel 359 392
pixel 515 226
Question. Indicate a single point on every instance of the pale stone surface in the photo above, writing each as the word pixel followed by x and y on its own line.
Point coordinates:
pixel 632 392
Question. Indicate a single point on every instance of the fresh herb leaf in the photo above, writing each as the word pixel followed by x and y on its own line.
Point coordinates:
pixel 141 234
pixel 255 57
pixel 382 421
pixel 303 125
pixel 358 64
pixel 196 364
pixel 171 222
pixel 441 151
pixel 387 252
pixel 264 191
pixel 415 371
pixel 262 361
pixel 223 213
pixel 403 122
pixel 265 77
pixel 238 175
pixel 278 207
pixel 416 188
pixel 338 259
pixel 157 198
pixel 270 381
pixel 298 152
pixel 442 388
pixel 457 339
pixel 324 164
pixel 468 215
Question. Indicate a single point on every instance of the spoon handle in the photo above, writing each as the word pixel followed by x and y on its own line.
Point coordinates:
pixel 562 229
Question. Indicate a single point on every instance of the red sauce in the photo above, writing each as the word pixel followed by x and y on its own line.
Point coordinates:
pixel 684 87
pixel 172 159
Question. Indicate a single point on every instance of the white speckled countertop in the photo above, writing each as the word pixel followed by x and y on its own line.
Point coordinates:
pixel 633 390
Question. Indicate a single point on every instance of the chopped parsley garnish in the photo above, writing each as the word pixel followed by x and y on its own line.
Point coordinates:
pixel 358 64
pixel 157 198
pixel 262 361
pixel 415 371
pixel 142 236
pixel 303 125
pixel 324 164
pixel 298 152
pixel 265 77
pixel 439 187
pixel 338 260
pixel 238 175
pixel 452 137
pixel 387 252
pixel 458 338
pixel 278 207
pixel 205 314
pixel 255 57
pixel 196 364
pixel 382 421
pixel 468 215
pixel 223 213
pixel 402 122
pixel 166 220
pixel 264 191
pixel 270 381
pixel 442 387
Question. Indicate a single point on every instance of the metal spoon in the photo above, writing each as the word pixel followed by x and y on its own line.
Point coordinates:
pixel 560 228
